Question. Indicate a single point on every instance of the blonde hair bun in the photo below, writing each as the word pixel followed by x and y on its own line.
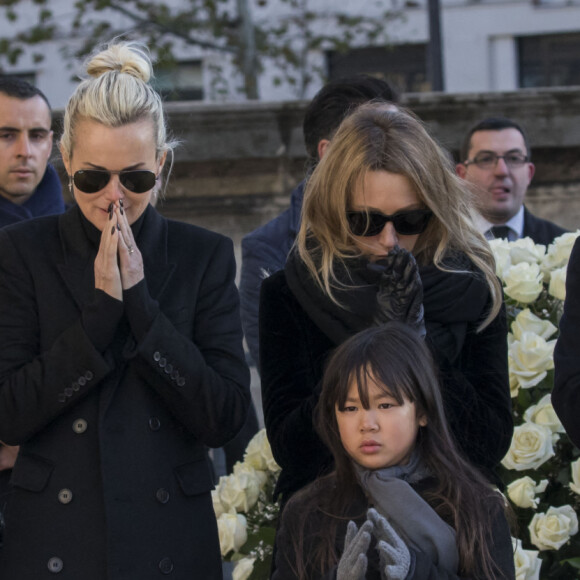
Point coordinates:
pixel 130 58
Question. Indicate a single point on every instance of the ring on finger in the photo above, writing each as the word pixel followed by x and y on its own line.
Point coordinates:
pixel 131 249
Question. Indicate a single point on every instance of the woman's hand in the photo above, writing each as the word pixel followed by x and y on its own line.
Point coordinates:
pixel 107 273
pixel 130 259
pixel 400 295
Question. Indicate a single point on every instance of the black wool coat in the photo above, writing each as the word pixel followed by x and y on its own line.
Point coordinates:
pixel 566 392
pixel 113 404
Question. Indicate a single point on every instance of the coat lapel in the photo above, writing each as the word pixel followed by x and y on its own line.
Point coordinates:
pixel 152 241
pixel 77 269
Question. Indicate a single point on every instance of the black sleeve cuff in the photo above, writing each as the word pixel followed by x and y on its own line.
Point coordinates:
pixel 141 309
pixel 100 319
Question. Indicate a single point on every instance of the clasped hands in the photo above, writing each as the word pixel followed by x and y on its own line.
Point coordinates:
pixel 394 556
pixel 119 264
pixel 400 293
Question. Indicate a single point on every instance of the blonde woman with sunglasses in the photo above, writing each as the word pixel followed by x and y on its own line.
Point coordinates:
pixel 386 235
pixel 121 355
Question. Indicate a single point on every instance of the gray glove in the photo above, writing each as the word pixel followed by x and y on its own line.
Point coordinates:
pixel 353 562
pixel 400 295
pixel 395 559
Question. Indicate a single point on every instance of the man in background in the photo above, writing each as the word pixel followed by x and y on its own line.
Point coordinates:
pixel 29 186
pixel 496 163
pixel 264 251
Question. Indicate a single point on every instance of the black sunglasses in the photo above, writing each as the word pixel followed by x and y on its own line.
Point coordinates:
pixel 407 223
pixel 93 180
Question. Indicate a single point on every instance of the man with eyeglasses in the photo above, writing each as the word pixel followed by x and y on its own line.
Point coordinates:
pixel 495 161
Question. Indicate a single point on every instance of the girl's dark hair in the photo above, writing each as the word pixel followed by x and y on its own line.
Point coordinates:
pixel 395 357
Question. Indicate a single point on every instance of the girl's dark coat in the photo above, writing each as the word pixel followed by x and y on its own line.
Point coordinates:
pixel 317 522
pixel 113 480
pixel 475 388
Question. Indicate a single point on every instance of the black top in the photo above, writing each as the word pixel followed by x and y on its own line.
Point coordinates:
pixel 475 386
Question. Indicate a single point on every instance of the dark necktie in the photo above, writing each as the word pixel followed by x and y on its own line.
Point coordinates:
pixel 500 232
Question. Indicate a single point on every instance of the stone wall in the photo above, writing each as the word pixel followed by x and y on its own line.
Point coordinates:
pixel 237 163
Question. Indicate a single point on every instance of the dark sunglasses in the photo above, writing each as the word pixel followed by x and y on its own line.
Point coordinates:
pixel 406 223
pixel 93 180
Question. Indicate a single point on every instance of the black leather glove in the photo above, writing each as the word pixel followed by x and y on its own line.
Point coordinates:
pixel 400 295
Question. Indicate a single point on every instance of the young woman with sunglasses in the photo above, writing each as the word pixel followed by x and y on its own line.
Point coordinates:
pixel 386 235
pixel 121 355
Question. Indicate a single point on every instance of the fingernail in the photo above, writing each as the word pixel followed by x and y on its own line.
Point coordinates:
pixel 112 230
pixel 110 214
pixel 118 227
pixel 121 202
pixel 121 208
pixel 110 209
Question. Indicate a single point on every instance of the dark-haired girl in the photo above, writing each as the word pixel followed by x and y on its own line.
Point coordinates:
pixel 401 503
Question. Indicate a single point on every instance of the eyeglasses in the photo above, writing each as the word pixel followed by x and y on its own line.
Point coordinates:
pixel 489 159
pixel 93 180
pixel 407 223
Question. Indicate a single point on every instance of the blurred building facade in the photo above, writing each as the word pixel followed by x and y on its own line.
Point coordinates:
pixel 487 45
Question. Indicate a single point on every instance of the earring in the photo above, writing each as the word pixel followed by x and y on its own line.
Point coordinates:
pixel 70 184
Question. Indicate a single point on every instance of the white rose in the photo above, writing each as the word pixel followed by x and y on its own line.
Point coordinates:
pixel 575 469
pixel 501 253
pixel 525 250
pixel 542 413
pixel 558 252
pixel 526 561
pixel 531 447
pixel 550 531
pixel 218 507
pixel 259 453
pixel 232 532
pixel 523 282
pixel 239 490
pixel 530 358
pixel 527 321
pixel 557 287
pixel 523 491
pixel 514 379
pixel 243 569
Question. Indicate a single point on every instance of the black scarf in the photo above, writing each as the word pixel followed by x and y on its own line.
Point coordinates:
pixel 452 300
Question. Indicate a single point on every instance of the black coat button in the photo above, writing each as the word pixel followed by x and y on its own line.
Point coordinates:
pixel 162 495
pixel 169 368
pixel 68 392
pixel 55 565
pixel 154 424
pixel 89 375
pixel 82 381
pixel 174 374
pixel 75 386
pixel 162 362
pixel 80 426
pixel 180 381
pixel 156 356
pixel 166 566
pixel 65 496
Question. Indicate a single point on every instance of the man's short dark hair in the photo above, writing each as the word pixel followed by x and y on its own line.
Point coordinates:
pixel 491 124
pixel 20 89
pixel 335 101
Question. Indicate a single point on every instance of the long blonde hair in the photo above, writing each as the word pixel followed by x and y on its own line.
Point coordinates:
pixel 377 138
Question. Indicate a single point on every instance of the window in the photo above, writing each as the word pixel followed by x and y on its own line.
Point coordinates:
pixel 549 61
pixel 180 82
pixel 403 65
